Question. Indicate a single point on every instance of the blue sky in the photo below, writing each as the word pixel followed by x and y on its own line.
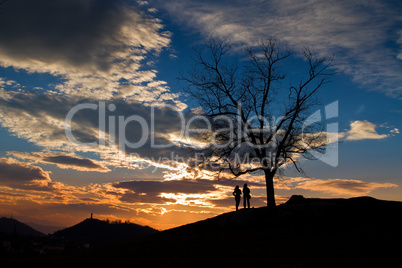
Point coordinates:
pixel 55 55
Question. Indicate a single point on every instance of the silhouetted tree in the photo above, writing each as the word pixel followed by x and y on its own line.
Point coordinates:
pixel 255 113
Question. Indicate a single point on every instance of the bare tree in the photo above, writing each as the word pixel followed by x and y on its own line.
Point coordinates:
pixel 256 114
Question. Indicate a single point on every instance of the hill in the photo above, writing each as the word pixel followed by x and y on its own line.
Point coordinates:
pixel 307 212
pixel 11 226
pixel 97 232
pixel 304 232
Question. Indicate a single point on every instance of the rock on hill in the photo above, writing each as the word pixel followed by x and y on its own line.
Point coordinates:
pixel 97 232
pixel 11 226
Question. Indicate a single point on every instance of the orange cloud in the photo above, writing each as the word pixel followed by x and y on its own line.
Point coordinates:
pixel 63 160
pixel 342 186
pixel 22 175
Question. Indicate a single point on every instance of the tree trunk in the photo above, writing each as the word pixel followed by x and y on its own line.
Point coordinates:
pixel 269 181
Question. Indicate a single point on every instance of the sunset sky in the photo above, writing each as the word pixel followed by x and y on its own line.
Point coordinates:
pixel 124 57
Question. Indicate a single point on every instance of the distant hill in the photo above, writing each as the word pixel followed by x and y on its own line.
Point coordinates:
pixel 11 226
pixel 97 232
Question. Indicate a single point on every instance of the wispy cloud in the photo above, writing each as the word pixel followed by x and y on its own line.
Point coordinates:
pixel 340 186
pixel 399 56
pixel 359 33
pixel 62 160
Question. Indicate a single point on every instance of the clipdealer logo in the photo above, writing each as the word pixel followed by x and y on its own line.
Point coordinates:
pixel 112 129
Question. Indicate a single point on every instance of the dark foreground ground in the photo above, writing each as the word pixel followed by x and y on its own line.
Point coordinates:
pixel 356 232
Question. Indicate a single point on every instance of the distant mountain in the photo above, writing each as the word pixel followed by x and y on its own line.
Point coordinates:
pixel 97 232
pixel 11 226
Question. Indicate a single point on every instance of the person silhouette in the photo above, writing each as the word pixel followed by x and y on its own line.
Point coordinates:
pixel 246 196
pixel 237 195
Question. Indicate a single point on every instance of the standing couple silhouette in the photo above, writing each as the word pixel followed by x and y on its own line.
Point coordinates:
pixel 246 196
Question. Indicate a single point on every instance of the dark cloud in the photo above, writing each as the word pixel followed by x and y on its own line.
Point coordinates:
pixel 149 191
pixel 70 161
pixel 90 46
pixel 14 171
pixel 77 32
pixel 36 104
pixel 62 160
pixel 3 194
pixel 22 175
pixel 180 186
pixel 131 197
pixel 157 187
